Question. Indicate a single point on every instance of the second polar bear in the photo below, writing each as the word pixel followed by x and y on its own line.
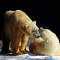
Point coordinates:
pixel 47 44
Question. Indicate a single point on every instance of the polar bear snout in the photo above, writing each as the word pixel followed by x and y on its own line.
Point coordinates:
pixel 36 33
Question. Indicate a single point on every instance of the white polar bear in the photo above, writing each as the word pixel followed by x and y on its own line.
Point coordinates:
pixel 17 28
pixel 47 44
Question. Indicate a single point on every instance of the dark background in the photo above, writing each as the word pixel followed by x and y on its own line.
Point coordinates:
pixel 45 13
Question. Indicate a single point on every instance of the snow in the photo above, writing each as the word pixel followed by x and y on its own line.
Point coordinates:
pixel 27 56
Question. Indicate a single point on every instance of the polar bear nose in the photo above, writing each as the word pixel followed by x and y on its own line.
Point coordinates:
pixel 37 34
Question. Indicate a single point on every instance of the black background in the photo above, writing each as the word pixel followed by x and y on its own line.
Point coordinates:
pixel 45 13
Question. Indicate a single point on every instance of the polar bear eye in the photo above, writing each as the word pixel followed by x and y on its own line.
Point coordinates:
pixel 33 30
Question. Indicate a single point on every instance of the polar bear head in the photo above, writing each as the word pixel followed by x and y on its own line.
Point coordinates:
pixel 32 29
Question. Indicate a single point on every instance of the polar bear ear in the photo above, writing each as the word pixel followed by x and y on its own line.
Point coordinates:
pixel 35 22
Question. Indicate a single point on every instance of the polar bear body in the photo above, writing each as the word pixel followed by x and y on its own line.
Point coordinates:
pixel 47 44
pixel 51 41
pixel 17 28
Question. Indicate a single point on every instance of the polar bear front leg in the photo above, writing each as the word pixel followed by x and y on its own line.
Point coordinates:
pixel 15 47
pixel 24 42
pixel 15 41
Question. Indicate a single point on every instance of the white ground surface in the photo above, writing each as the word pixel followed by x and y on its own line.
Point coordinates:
pixel 27 56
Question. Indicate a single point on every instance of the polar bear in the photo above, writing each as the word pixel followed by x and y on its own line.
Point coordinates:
pixel 47 44
pixel 17 28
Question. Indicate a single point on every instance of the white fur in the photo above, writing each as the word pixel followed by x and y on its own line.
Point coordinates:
pixel 51 42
